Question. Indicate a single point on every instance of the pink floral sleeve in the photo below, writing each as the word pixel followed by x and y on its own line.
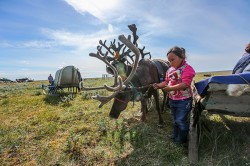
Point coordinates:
pixel 188 75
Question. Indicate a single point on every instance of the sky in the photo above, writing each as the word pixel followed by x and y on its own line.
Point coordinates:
pixel 39 37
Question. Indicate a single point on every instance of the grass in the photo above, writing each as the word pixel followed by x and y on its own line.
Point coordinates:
pixel 201 75
pixel 36 129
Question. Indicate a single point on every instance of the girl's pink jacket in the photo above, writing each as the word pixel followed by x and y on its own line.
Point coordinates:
pixel 184 74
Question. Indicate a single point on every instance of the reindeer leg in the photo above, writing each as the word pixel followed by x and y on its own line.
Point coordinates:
pixel 156 96
pixel 164 101
pixel 143 110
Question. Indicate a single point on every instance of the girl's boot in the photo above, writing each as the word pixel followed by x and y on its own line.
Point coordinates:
pixel 175 133
pixel 182 137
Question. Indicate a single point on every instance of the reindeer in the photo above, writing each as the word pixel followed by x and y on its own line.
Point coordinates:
pixel 131 81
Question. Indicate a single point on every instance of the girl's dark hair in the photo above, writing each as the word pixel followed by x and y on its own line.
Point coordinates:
pixel 178 51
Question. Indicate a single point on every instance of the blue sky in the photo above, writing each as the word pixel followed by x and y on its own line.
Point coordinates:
pixel 39 37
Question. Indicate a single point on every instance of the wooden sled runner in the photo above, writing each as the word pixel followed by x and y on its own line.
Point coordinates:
pixel 211 95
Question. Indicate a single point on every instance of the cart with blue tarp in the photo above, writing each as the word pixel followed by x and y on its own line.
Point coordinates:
pixel 210 95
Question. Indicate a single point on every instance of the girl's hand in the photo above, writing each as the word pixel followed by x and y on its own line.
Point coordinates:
pixel 155 86
pixel 166 88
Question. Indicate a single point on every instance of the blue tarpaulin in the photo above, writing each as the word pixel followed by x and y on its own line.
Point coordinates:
pixel 242 78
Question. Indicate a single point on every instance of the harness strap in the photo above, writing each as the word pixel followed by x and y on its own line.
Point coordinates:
pixel 120 100
pixel 134 89
pixel 161 73
pixel 136 92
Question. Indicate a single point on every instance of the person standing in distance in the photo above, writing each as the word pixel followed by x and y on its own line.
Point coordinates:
pixel 50 78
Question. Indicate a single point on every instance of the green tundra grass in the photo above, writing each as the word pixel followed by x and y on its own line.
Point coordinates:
pixel 62 129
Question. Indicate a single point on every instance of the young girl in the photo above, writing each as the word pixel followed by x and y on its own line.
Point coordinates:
pixel 178 85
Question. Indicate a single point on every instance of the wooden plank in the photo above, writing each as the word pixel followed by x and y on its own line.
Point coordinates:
pixel 225 112
pixel 216 87
pixel 193 155
pixel 216 101
pixel 229 107
pixel 222 97
pixel 219 100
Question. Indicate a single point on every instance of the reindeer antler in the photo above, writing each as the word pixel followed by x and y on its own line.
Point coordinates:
pixel 119 85
pixel 133 28
pixel 134 49
pixel 103 57
pixel 143 54
pixel 122 85
pixel 105 46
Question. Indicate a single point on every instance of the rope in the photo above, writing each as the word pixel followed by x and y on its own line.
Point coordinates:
pixel 134 89
pixel 138 88
pixel 120 100
pixel 136 92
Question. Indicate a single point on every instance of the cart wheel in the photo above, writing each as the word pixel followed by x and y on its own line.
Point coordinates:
pixel 44 89
pixel 193 140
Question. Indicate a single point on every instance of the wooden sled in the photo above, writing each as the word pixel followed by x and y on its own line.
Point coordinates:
pixel 214 99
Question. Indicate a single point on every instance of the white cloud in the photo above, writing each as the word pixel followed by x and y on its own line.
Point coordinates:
pixel 79 41
pixel 5 44
pixel 190 20
pixel 211 32
pixel 98 8
pixel 29 44
pixel 36 44
pixel 110 28
pixel 24 62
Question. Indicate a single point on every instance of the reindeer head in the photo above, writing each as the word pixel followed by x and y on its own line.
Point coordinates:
pixel 119 84
pixel 121 61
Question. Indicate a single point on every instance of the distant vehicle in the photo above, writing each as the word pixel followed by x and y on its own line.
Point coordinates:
pixel 5 80
pixel 24 80
pixel 67 77
pixel 207 75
